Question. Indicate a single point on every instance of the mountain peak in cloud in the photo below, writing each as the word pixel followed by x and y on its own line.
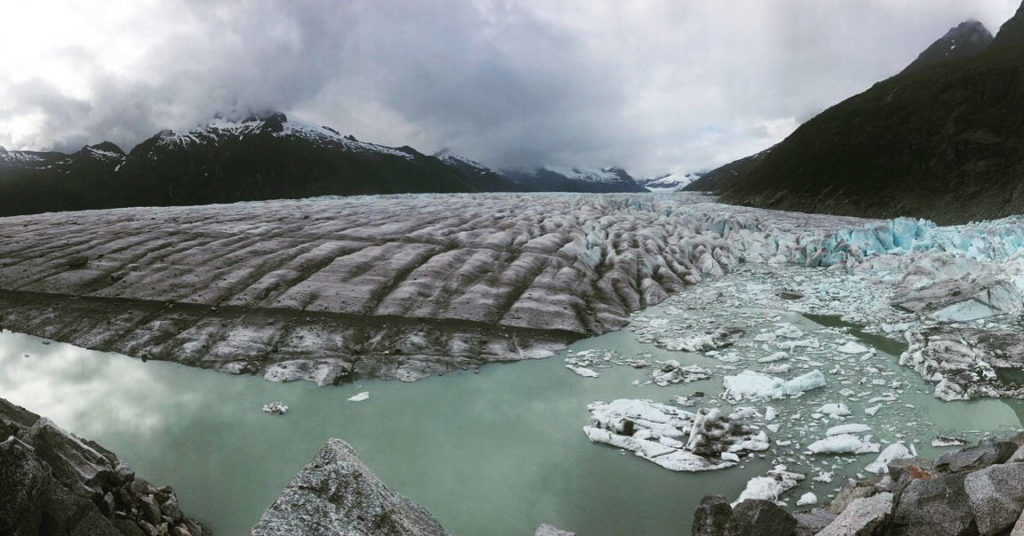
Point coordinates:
pixel 965 40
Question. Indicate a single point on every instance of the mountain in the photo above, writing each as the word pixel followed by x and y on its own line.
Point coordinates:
pixel 671 182
pixel 941 141
pixel 47 181
pixel 1011 33
pixel 966 40
pixel 266 156
pixel 551 179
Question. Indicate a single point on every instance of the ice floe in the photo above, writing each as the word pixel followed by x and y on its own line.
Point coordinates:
pixel 671 437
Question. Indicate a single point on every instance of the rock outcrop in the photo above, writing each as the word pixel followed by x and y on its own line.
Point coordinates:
pixel 337 495
pixel 977 491
pixel 52 482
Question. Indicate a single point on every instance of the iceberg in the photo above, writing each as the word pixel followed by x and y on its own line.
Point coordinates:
pixel 754 385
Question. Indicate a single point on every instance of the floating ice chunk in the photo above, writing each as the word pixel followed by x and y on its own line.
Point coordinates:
pixel 671 437
pixel 730 457
pixel 848 429
pixel 944 441
pixel 824 477
pixel 753 385
pixel 807 499
pixel 275 408
pixel 773 357
pixel 843 444
pixel 771 486
pixel 896 451
pixel 720 338
pixel 359 397
pixel 672 372
pixel 583 371
pixel 744 412
pixel 852 347
pixel 781 368
pixel 770 413
pixel 835 410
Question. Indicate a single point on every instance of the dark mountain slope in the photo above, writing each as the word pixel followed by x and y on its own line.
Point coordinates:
pixel 966 40
pixel 944 141
pixel 271 157
pixel 261 157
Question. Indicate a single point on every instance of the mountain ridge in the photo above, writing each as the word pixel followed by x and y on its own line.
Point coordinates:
pixel 258 157
pixel 941 142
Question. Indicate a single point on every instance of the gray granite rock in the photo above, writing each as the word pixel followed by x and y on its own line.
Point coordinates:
pixel 936 506
pixel 862 517
pixel 761 518
pixel 24 484
pixel 712 517
pixel 996 495
pixel 810 523
pixel 983 455
pixel 337 495
pixel 52 482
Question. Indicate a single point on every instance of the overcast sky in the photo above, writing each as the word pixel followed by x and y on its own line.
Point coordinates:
pixel 651 86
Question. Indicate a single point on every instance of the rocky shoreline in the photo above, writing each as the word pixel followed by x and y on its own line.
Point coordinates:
pixel 973 491
pixel 52 482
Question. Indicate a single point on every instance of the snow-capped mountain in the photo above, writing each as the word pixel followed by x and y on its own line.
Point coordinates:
pixel 551 179
pixel 27 159
pixel 548 179
pixel 277 125
pixel 456 160
pixel 672 182
pixel 264 156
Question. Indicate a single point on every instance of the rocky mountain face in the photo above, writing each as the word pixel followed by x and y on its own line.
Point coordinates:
pixel 977 490
pixel 260 157
pixel 940 141
pixel 1011 33
pixel 337 495
pixel 966 40
pixel 52 482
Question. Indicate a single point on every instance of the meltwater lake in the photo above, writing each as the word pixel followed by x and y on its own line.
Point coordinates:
pixel 498 451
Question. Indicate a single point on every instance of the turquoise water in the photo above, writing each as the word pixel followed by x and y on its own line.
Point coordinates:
pixel 496 452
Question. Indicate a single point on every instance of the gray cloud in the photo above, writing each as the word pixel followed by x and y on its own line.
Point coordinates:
pixel 652 86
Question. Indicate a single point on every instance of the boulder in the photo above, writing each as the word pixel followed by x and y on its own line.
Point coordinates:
pixel 862 517
pixel 712 517
pixel 984 454
pixel 937 506
pixel 852 491
pixel 337 495
pixel 24 482
pixel 811 523
pixel 761 518
pixel 996 495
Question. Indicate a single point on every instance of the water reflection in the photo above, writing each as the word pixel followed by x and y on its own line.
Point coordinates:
pixel 492 453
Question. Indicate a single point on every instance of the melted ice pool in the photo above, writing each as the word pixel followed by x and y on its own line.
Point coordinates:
pixel 497 452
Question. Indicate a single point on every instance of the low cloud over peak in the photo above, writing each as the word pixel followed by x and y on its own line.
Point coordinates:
pixel 649 86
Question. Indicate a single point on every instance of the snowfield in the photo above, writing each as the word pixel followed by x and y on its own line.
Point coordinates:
pixel 407 286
